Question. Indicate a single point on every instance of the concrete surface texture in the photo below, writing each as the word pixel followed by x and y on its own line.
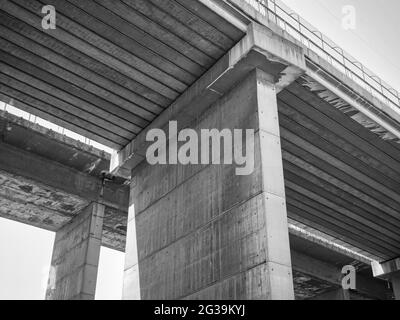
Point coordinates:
pixel 205 220
pixel 76 252
pixel 326 153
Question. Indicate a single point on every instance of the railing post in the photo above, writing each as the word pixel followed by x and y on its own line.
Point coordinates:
pixel 272 7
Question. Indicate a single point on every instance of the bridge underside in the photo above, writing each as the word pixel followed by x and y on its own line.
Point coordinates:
pixel 30 197
pixel 113 69
pixel 340 177
pixel 46 179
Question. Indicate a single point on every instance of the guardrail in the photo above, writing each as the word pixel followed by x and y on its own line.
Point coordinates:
pixel 309 36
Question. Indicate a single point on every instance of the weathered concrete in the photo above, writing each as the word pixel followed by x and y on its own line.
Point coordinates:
pixel 131 286
pixel 338 141
pixel 204 232
pixel 119 65
pixel 260 48
pixel 324 73
pixel 386 269
pixel 390 271
pixel 47 178
pixel 318 273
pixel 75 259
pixel 396 286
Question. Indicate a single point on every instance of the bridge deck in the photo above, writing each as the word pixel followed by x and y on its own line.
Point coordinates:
pixel 110 67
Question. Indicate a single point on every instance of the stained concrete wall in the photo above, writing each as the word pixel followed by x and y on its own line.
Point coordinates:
pixel 204 232
pixel 75 259
pixel 396 286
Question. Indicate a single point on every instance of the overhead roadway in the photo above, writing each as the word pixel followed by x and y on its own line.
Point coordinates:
pixel 47 178
pixel 111 67
pixel 63 176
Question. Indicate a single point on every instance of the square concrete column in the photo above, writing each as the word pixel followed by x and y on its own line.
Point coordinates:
pixel 75 259
pixel 396 286
pixel 131 286
pixel 201 231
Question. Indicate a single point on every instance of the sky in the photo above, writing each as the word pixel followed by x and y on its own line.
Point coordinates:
pixel 25 252
pixel 375 39
pixel 25 256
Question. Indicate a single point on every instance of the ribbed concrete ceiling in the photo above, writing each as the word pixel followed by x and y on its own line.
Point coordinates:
pixel 110 67
pixel 340 177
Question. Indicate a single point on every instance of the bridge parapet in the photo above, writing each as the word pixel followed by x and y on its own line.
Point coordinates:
pixel 276 12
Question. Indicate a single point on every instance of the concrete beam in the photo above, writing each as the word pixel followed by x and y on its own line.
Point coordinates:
pixel 46 178
pixel 385 269
pixel 324 72
pixel 227 12
pixel 74 264
pixel 375 111
pixel 260 48
pixel 58 176
pixel 396 286
pixel 332 274
pixel 390 271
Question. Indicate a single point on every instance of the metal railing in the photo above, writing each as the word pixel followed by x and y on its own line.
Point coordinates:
pixel 310 37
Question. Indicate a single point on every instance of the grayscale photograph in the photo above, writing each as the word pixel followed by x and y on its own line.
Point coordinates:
pixel 199 153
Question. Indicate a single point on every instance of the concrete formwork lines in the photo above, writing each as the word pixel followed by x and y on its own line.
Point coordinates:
pixel 89 43
pixel 119 124
pixel 27 37
pixel 187 17
pixel 63 79
pixel 212 18
pixel 169 22
pixel 44 102
pixel 333 230
pixel 340 195
pixel 333 161
pixel 145 24
pixel 153 44
pixel 114 38
pixel 290 117
pixel 348 127
pixel 342 209
pixel 76 252
pixel 60 119
pixel 185 229
pixel 370 236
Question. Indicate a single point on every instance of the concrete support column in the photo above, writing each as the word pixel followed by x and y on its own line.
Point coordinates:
pixel 75 259
pixel 131 286
pixel 396 286
pixel 337 294
pixel 201 231
pixel 278 259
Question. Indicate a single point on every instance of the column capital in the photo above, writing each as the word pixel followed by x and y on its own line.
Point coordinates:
pixel 283 60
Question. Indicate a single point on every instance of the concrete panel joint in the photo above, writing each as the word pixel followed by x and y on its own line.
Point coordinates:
pixel 75 259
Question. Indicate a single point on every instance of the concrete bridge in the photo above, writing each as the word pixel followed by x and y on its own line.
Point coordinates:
pixel 324 193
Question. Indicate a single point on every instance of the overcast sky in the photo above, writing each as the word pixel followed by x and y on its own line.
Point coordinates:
pixel 25 252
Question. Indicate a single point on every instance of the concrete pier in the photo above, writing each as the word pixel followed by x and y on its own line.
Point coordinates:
pixel 396 286
pixel 203 231
pixel 75 259
pixel 323 193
